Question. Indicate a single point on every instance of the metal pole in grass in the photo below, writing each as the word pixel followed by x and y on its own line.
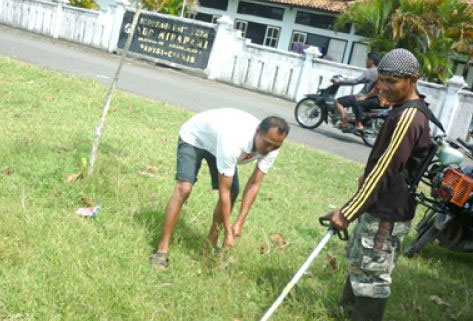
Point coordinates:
pixel 106 106
pixel 343 235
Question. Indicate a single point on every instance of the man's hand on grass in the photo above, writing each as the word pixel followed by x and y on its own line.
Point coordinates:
pixel 337 220
pixel 237 229
pixel 228 240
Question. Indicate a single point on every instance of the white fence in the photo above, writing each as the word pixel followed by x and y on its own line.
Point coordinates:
pixel 233 59
pixel 93 28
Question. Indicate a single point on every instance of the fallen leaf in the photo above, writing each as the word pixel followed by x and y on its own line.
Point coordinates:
pixel 151 168
pixel 87 201
pixel 9 171
pixel 225 262
pixel 149 171
pixel 263 250
pixel 60 149
pixel 74 177
pixel 48 98
pixel 164 140
pixel 279 240
pixel 418 313
pixel 146 173
pixel 332 261
pixel 439 301
pixel 132 213
pixel 332 206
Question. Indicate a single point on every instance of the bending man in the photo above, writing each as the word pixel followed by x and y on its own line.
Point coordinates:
pixel 224 138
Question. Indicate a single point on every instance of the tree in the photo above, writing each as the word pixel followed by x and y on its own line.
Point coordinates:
pixel 172 7
pixel 434 30
pixel 86 4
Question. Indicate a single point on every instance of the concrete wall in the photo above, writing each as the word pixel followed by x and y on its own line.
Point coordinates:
pixel 58 20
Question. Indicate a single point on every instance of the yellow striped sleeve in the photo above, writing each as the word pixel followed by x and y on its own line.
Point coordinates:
pixel 373 178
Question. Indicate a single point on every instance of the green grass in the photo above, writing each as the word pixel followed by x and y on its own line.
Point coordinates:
pixel 57 266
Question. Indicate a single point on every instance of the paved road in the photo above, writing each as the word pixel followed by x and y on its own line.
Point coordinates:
pixel 169 85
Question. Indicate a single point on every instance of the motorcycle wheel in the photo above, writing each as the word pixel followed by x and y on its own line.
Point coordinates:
pixel 308 113
pixel 426 233
pixel 371 132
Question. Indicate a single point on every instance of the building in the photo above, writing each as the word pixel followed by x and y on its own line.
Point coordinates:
pixel 294 24
pixel 290 25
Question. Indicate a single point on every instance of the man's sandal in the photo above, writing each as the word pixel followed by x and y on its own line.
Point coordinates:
pixel 159 260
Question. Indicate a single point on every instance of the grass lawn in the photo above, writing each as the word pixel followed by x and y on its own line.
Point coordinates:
pixel 55 265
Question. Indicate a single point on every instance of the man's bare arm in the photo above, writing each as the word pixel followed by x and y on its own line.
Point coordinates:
pixel 224 194
pixel 249 195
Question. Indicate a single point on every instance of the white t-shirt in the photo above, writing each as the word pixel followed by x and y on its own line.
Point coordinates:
pixel 228 134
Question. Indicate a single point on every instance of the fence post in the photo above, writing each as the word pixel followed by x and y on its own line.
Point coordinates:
pixel 451 105
pixel 304 79
pixel 59 17
pixel 222 47
pixel 118 13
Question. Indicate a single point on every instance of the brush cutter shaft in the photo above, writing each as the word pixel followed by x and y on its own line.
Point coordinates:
pixel 298 275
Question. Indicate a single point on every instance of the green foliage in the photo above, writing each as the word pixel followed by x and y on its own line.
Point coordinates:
pixel 86 4
pixel 434 30
pixel 172 7
pixel 58 266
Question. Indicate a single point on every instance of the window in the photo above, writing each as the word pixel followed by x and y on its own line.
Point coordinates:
pixel 358 54
pixel 203 17
pixel 190 15
pixel 259 33
pixel 215 4
pixel 242 26
pixel 298 39
pixel 272 37
pixel 318 21
pixel 332 48
pixel 215 18
pixel 260 10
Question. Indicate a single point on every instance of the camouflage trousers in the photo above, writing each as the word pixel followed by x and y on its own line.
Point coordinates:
pixel 369 268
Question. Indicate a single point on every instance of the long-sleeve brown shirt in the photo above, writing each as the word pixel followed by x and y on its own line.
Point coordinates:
pixel 400 148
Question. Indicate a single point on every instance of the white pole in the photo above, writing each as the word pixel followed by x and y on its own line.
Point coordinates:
pixel 183 6
pixel 298 275
pixel 106 107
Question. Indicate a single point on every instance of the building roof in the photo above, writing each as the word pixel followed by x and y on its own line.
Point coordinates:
pixel 326 5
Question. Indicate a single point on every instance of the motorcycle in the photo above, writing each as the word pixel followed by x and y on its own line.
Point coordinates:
pixel 449 214
pixel 314 109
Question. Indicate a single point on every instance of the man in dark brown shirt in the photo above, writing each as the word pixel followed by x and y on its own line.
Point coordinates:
pixel 383 205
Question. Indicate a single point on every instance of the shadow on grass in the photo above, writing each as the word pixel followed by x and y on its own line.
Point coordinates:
pixel 184 235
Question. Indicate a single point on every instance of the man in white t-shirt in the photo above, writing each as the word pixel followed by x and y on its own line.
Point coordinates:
pixel 224 138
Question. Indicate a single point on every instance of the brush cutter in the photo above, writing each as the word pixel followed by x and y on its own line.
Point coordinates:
pixel 343 235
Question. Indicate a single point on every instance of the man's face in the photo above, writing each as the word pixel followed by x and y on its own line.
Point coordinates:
pixel 369 63
pixel 396 89
pixel 266 143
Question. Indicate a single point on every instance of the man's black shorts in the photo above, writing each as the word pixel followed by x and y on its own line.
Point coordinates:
pixel 347 101
pixel 189 160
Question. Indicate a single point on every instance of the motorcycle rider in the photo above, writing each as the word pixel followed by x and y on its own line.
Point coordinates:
pixel 368 78
pixel 383 205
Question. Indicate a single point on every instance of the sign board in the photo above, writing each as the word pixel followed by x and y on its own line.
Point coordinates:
pixel 171 40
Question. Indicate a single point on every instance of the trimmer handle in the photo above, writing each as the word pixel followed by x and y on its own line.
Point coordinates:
pixel 325 221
